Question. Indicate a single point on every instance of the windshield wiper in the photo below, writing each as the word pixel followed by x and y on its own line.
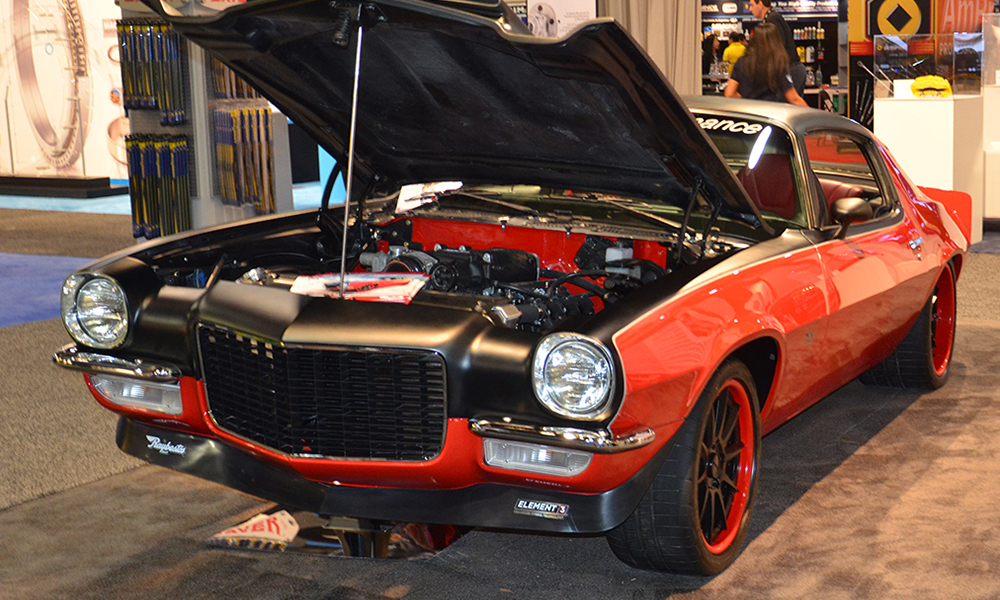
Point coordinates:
pixel 511 205
pixel 633 210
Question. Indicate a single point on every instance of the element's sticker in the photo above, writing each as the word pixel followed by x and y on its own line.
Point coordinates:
pixel 539 508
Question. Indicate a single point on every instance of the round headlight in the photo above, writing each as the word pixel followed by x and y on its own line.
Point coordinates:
pixel 573 376
pixel 94 310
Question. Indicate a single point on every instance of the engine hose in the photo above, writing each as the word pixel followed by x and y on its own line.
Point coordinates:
pixel 559 278
pixel 590 286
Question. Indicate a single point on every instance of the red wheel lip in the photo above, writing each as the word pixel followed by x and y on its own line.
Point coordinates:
pixel 944 323
pixel 746 469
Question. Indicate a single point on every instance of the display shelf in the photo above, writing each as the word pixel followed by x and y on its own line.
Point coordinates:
pixel 816 41
pixel 60 187
pixel 816 37
pixel 827 98
pixel 900 60
pixel 257 172
pixel 261 160
pixel 843 54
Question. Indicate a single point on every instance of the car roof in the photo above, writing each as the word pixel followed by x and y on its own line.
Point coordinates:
pixel 797 118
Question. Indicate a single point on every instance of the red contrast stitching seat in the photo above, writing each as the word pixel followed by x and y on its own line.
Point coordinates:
pixel 770 185
pixel 836 190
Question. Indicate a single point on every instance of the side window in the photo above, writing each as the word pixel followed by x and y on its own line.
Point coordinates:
pixel 843 169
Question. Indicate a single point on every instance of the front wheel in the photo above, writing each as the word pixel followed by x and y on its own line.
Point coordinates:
pixel 923 358
pixel 694 517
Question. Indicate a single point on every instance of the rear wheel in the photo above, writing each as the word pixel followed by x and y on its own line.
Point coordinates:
pixel 694 517
pixel 923 358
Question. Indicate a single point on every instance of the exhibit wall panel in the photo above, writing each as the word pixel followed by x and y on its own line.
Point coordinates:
pixel 991 147
pixel 938 142
pixel 557 18
pixel 669 32
pixel 61 110
pixel 991 162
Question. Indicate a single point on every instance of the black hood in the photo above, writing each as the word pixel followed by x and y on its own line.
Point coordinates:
pixel 450 90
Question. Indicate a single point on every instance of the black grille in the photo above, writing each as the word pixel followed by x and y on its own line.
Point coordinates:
pixel 338 403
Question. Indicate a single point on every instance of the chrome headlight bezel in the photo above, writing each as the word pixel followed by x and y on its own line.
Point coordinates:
pixel 591 405
pixel 105 294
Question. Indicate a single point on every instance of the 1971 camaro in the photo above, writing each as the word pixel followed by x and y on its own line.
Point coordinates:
pixel 560 298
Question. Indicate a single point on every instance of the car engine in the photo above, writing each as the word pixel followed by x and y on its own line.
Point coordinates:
pixel 510 285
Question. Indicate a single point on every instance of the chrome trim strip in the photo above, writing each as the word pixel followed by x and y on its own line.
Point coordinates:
pixel 71 357
pixel 599 442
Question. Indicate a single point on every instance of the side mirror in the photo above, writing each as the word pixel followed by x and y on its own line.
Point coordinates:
pixel 846 211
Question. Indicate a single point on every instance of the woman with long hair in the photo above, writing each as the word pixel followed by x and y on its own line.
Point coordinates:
pixel 709 52
pixel 762 73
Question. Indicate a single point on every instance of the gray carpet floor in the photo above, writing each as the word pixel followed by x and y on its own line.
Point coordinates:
pixel 872 493
pixel 63 233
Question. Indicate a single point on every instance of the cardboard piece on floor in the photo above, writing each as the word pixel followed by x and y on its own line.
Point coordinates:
pixel 303 532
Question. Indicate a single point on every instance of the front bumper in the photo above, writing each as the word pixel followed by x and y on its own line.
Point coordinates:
pixel 487 505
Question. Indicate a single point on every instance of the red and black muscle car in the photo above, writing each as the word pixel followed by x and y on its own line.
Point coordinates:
pixel 559 298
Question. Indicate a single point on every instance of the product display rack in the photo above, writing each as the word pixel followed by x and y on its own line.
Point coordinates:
pixel 244 143
pixel 158 149
pixel 817 43
pixel 211 186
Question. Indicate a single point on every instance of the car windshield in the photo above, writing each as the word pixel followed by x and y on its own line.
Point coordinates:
pixel 533 205
pixel 762 157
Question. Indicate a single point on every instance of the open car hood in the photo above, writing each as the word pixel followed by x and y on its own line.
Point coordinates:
pixel 449 90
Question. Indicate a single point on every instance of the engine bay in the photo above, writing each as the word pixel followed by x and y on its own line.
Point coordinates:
pixel 529 279
pixel 513 287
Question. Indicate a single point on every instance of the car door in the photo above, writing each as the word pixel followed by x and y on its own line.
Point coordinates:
pixel 877 278
pixel 762 155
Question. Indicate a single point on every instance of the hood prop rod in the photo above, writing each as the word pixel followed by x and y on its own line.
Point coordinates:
pixel 350 160
pixel 681 237
pixel 708 229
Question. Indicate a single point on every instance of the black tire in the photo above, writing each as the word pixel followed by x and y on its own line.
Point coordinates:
pixel 669 530
pixel 923 358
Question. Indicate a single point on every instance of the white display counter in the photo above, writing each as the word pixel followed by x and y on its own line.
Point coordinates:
pixel 991 206
pixel 939 143
pixel 991 145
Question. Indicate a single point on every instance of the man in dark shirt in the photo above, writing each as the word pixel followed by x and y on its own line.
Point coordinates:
pixel 761 9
